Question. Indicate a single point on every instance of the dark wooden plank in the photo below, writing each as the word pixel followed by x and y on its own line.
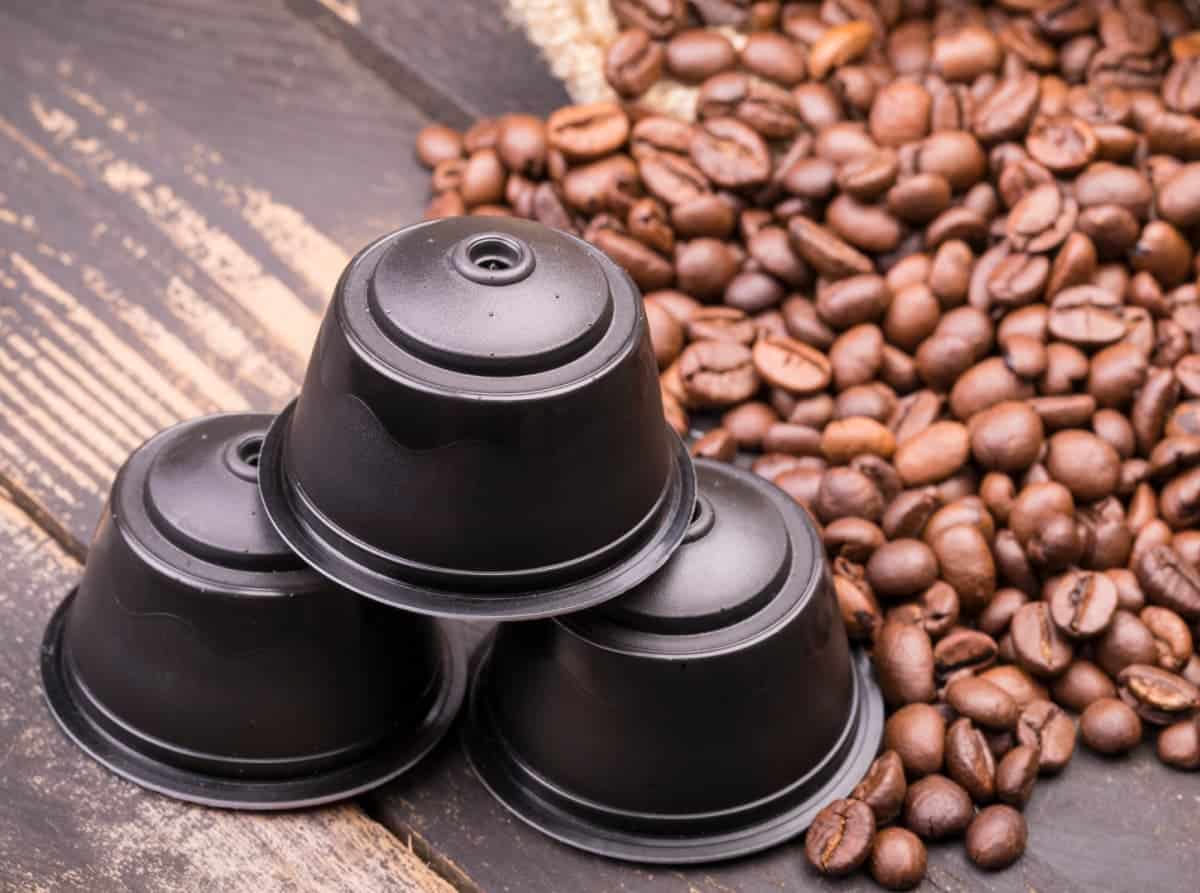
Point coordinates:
pixel 68 825
pixel 271 109
pixel 154 271
pixel 1116 825
pixel 458 62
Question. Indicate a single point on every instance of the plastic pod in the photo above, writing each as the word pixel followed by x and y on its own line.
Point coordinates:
pixel 199 656
pixel 708 713
pixel 480 431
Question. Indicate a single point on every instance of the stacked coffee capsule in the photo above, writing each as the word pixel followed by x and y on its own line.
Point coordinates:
pixel 262 622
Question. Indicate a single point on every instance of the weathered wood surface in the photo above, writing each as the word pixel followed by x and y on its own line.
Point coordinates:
pixel 180 186
pixel 66 824
pixel 470 59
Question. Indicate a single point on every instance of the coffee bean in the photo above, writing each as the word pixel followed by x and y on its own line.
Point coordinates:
pixel 697 54
pixel 1064 144
pixel 1044 726
pixel 1016 774
pixel 1169 581
pixel 1172 637
pixel 996 837
pixel 792 365
pixel 1179 744
pixel 1081 604
pixel 856 602
pixel 584 132
pixel 730 154
pixel 1007 436
pixel 661 18
pixel 1081 684
pixel 846 493
pixel 965 559
pixel 1158 696
pixel 964 650
pixel 826 252
pixel 856 356
pixel 904 660
pixel 718 373
pixel 902 568
pixel 437 143
pixel 984 703
pixel 898 859
pixel 1039 646
pixel 839 45
pixel 717 444
pixel 933 454
pixel 1110 726
pixel 936 808
pixel 839 839
pixel 883 787
pixel 771 55
pixel 994 620
pixel 969 760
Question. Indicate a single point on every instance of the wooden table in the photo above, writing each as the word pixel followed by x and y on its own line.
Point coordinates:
pixel 181 185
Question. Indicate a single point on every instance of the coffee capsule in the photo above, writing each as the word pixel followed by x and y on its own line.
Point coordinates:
pixel 480 431
pixel 708 713
pixel 201 658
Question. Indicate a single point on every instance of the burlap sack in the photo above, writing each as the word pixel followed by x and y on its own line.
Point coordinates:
pixel 573 35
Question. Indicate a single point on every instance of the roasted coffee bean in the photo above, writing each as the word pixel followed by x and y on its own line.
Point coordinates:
pixel 437 143
pixel 936 808
pixel 1172 637
pixel 1044 726
pixel 969 760
pixel 1169 581
pixel 987 705
pixel 933 454
pixel 1110 726
pixel 845 493
pixel 1007 436
pixel 1179 744
pixel 996 617
pixel 839 839
pixel 996 837
pixel 902 568
pixel 791 365
pixel 1081 684
pixel 716 444
pixel 1020 686
pixel 904 660
pixel 883 787
pixel 898 859
pixel 718 373
pixel 1016 774
pixel 584 132
pixel 771 55
pixel 965 560
pixel 839 45
pixel 1086 316
pixel 1081 604
pixel 1158 696
pixel 964 650
pixel 793 439
pixel 730 153
pixel 1039 645
pixel 697 54
pixel 826 252
pixel 661 18
pixel 917 734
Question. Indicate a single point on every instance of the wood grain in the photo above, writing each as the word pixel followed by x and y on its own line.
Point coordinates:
pixel 67 825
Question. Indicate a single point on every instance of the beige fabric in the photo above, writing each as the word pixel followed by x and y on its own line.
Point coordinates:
pixel 573 35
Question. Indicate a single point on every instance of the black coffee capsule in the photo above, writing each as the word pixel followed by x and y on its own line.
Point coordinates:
pixel 480 431
pixel 709 713
pixel 201 658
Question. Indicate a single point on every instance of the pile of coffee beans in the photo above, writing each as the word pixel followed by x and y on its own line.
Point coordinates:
pixel 934 262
